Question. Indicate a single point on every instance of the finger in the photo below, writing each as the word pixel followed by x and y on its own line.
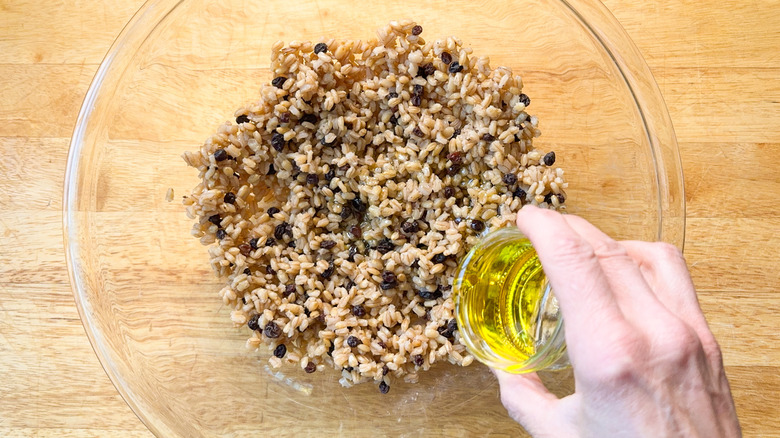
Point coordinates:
pixel 527 400
pixel 629 286
pixel 664 268
pixel 574 272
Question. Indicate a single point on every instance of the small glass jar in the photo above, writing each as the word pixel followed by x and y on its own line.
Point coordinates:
pixel 507 314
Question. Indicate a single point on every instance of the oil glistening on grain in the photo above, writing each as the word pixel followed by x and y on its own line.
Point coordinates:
pixel 506 311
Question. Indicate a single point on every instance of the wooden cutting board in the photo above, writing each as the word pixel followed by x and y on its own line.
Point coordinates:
pixel 719 70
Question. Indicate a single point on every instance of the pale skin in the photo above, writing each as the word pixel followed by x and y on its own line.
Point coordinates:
pixel 645 362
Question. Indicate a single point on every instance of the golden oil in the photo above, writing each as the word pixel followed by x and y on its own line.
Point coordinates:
pixel 507 314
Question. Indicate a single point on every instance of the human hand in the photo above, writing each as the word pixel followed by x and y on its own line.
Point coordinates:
pixel 645 362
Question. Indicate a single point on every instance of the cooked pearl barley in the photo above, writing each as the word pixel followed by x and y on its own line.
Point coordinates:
pixel 373 134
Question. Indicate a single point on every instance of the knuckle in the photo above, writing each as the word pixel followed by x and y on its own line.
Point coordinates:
pixel 712 349
pixel 624 360
pixel 667 251
pixel 608 248
pixel 616 372
pixel 572 249
pixel 626 342
pixel 679 345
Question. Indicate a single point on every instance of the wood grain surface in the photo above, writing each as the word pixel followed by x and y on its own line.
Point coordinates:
pixel 718 67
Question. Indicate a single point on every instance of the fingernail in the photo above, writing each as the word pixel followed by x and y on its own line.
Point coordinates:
pixel 528 207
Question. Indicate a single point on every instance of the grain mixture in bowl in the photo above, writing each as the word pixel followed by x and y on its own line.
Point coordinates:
pixel 338 205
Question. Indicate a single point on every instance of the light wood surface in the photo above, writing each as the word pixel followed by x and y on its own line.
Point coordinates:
pixel 718 67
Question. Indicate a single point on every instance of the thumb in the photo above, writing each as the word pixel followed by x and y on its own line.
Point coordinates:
pixel 527 401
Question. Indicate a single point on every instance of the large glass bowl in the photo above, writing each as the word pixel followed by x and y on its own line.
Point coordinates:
pixel 143 286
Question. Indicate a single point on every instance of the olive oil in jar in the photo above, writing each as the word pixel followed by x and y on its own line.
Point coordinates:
pixel 506 311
